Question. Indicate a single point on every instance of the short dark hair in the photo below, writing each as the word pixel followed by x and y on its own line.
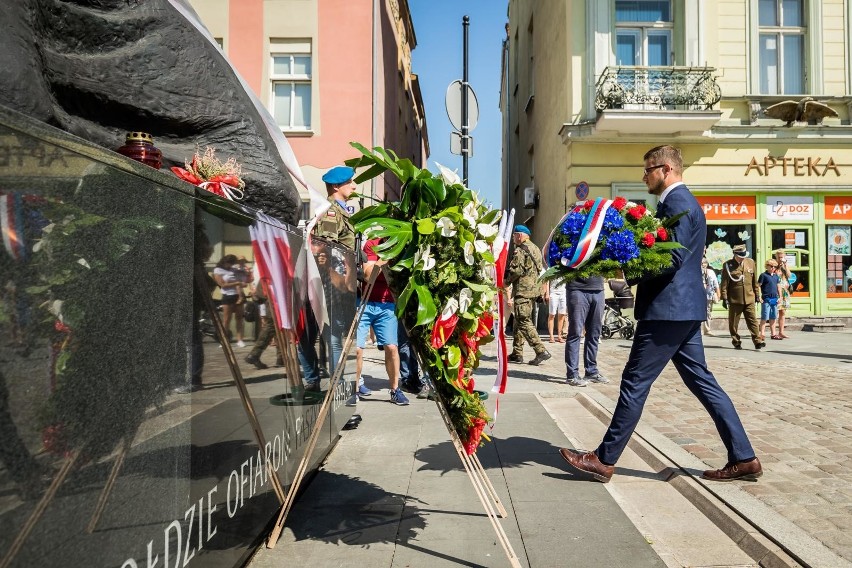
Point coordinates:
pixel 666 154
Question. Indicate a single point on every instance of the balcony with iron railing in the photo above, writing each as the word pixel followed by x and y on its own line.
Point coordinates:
pixel 657 100
pixel 657 88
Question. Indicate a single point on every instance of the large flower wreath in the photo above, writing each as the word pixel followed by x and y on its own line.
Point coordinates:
pixel 610 238
pixel 437 242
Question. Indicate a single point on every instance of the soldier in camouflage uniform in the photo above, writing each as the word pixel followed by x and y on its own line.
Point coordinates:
pixel 522 274
pixel 335 224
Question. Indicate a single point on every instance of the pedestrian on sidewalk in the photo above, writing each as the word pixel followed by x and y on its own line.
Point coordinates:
pixel 768 282
pixel 784 273
pixel 711 290
pixel 410 379
pixel 740 292
pixel 670 308
pixel 380 314
pixel 557 305
pixel 267 330
pixel 585 316
pixel 522 274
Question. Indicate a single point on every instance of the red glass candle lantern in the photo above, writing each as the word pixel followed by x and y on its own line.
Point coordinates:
pixel 139 146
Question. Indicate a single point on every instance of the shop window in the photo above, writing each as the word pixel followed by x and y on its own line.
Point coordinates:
pixel 838 281
pixel 721 240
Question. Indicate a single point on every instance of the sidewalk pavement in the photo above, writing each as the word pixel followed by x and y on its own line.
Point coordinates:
pixel 393 492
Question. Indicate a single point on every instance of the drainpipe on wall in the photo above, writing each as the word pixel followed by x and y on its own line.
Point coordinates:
pixel 375 127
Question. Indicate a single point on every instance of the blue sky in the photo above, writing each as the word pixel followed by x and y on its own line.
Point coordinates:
pixel 437 60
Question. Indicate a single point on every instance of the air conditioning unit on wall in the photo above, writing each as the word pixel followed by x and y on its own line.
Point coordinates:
pixel 530 198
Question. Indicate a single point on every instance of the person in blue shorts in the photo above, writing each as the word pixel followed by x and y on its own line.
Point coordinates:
pixel 380 314
pixel 768 282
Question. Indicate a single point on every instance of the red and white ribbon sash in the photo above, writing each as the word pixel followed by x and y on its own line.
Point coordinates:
pixel 589 236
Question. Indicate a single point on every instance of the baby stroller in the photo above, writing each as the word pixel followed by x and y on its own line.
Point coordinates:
pixel 617 311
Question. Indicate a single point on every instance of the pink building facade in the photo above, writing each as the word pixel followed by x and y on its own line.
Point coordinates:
pixel 331 72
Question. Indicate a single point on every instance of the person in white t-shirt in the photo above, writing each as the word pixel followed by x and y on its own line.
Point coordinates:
pixel 557 308
pixel 231 285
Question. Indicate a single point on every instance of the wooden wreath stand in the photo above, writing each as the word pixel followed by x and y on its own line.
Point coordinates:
pixel 472 466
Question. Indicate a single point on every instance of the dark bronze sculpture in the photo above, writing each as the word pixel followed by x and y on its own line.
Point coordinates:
pixel 101 68
pixel 806 110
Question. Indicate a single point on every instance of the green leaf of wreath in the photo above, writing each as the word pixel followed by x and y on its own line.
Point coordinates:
pixel 426 226
pixel 369 213
pixel 426 309
pixel 453 356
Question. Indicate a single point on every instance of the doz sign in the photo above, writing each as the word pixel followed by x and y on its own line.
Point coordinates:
pixel 784 208
pixel 838 208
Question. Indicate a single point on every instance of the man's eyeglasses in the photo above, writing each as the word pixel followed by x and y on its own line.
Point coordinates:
pixel 652 168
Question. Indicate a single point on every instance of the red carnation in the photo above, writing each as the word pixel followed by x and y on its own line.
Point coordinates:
pixel 61 327
pixel 589 204
pixel 637 212
pixel 648 240
pixel 619 202
pixel 662 234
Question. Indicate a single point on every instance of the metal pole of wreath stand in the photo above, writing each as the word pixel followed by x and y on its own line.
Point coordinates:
pixel 323 412
pixel 477 476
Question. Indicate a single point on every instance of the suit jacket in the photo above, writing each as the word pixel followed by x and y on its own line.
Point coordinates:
pixel 678 293
pixel 739 282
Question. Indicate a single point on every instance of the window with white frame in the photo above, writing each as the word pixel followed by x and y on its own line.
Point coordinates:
pixel 643 33
pixel 782 34
pixel 290 77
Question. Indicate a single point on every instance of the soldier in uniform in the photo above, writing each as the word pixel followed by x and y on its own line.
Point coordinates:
pixel 522 275
pixel 739 291
pixel 335 224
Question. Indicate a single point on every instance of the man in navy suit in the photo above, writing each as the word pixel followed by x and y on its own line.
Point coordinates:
pixel 670 308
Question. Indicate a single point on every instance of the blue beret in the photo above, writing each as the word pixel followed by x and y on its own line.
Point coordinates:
pixel 338 174
pixel 522 229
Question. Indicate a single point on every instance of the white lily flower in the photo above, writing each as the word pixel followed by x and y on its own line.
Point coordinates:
pixel 481 246
pixel 451 307
pixel 487 230
pixel 465 299
pixel 82 262
pixel 448 228
pixel 55 308
pixel 449 176
pixel 37 245
pixel 423 255
pixel 46 230
pixel 468 252
pixel 486 298
pixel 470 214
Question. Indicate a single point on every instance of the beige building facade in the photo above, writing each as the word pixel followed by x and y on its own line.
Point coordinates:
pixel 590 85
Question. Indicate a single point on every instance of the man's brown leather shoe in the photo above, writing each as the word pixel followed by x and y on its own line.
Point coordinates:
pixel 588 463
pixel 748 471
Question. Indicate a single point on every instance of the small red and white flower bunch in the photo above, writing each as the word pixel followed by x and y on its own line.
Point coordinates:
pixel 208 172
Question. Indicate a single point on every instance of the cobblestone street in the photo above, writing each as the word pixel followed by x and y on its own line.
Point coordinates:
pixel 794 398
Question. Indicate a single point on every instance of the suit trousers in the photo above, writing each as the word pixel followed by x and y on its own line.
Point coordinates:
pixel 747 311
pixel 655 344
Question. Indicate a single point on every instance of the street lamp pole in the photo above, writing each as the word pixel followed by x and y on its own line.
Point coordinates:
pixel 465 130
